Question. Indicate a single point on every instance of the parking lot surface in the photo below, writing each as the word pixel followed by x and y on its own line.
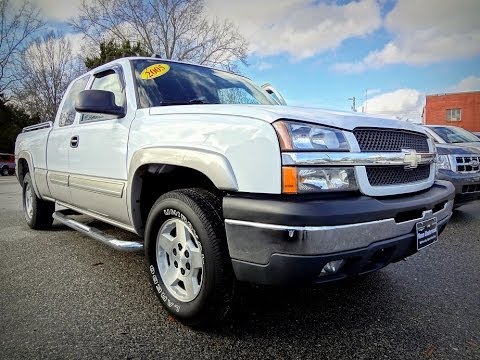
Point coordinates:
pixel 65 296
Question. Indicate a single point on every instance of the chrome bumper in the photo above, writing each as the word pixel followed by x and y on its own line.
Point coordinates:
pixel 260 241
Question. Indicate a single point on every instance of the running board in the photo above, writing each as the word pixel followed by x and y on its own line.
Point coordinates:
pixel 97 234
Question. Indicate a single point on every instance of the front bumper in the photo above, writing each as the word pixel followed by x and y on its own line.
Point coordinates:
pixel 467 186
pixel 275 241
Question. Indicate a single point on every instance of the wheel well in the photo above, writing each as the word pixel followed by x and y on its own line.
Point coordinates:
pixel 22 169
pixel 153 180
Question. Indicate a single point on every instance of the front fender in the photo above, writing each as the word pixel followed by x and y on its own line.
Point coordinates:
pixel 213 165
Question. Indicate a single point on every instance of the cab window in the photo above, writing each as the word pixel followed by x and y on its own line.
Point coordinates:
pixel 67 115
pixel 109 81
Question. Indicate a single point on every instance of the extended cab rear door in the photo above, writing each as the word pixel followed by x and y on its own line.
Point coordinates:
pixel 98 170
pixel 59 143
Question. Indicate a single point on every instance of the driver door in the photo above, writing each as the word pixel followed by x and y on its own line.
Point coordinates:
pixel 98 170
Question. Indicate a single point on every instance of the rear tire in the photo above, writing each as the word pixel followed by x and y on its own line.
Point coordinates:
pixel 5 171
pixel 37 212
pixel 187 257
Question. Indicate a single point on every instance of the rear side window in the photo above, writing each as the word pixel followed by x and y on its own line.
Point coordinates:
pixel 67 115
pixel 108 80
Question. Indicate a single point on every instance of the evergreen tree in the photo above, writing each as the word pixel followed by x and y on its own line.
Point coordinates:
pixel 12 121
pixel 110 51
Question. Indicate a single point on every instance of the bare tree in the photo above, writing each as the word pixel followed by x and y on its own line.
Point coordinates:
pixel 19 21
pixel 47 68
pixel 173 29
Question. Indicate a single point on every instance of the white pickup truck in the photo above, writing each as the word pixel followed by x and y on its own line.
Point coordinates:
pixel 222 184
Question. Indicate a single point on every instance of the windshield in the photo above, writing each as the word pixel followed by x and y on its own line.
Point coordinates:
pixel 162 83
pixel 454 135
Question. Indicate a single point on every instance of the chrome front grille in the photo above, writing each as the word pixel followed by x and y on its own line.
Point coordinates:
pixel 468 164
pixel 390 140
pixel 394 140
pixel 394 175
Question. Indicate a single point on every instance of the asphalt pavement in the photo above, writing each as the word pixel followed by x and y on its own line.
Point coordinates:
pixel 65 296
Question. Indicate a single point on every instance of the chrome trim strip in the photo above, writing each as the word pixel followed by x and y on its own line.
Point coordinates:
pixel 356 158
pixel 297 228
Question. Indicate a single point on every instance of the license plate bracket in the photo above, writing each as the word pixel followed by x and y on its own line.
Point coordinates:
pixel 427 232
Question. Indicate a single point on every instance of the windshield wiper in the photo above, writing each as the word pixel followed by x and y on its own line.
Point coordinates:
pixel 185 102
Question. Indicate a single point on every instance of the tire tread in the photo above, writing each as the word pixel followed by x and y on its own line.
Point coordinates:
pixel 207 207
pixel 42 210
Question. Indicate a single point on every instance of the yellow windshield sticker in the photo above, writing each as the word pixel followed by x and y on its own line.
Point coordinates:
pixel 154 71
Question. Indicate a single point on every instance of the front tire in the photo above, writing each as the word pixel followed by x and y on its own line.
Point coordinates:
pixel 187 257
pixel 5 171
pixel 37 212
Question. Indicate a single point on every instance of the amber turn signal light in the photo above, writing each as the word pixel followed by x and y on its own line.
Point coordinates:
pixel 289 180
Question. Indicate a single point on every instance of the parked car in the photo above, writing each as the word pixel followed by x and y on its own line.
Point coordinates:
pixel 7 164
pixel 222 184
pixel 458 160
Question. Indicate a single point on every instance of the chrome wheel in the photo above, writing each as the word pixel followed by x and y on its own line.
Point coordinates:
pixel 180 260
pixel 5 172
pixel 29 201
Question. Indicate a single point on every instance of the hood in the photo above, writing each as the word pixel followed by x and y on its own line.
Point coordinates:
pixel 470 148
pixel 271 113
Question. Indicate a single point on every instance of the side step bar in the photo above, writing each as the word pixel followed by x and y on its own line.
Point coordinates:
pixel 97 234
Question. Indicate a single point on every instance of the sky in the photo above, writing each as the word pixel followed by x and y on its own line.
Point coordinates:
pixel 388 54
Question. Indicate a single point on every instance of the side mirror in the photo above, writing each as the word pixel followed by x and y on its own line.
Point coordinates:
pixel 99 102
pixel 274 94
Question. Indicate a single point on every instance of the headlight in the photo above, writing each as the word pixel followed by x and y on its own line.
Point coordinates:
pixel 443 162
pixel 304 136
pixel 318 179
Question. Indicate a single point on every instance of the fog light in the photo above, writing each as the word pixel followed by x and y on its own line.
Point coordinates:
pixel 332 267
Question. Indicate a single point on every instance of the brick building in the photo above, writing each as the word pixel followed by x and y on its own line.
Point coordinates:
pixel 457 109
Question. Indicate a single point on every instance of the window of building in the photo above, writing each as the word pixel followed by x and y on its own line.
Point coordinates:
pixel 454 114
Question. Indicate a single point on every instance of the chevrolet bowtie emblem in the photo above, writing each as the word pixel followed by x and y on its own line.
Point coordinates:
pixel 411 159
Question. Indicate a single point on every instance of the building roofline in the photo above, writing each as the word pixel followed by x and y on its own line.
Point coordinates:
pixel 455 93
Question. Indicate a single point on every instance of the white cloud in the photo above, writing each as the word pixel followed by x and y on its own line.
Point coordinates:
pixel 261 66
pixel 471 83
pixel 371 92
pixel 425 32
pixel 299 28
pixel 58 10
pixel 77 42
pixel 405 104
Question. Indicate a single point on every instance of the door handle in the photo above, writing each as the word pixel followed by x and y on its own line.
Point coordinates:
pixel 74 141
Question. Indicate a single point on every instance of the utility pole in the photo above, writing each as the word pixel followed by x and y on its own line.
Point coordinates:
pixel 366 99
pixel 354 109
